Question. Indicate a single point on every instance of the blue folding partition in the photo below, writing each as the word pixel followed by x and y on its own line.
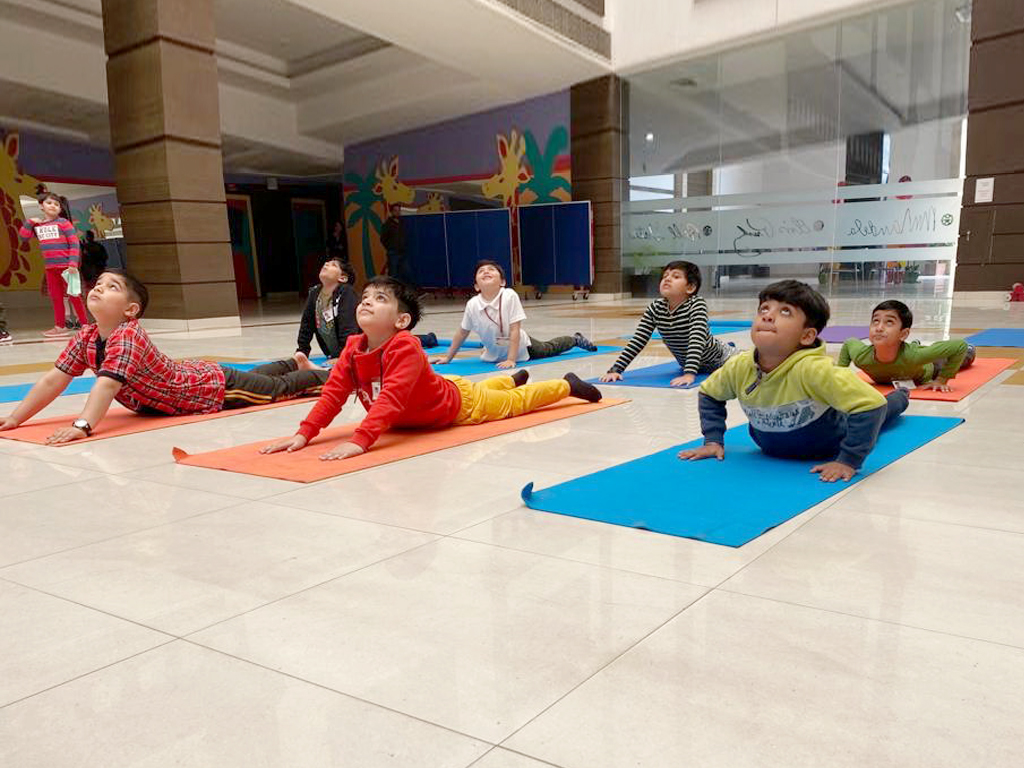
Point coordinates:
pixel 555 244
pixel 427 250
pixel 445 247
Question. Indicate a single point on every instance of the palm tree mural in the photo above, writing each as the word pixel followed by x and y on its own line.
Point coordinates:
pixel 363 198
pixel 544 182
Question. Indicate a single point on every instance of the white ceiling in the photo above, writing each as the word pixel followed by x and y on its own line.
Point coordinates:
pixel 299 79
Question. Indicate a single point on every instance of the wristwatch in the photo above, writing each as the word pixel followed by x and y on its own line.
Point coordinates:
pixel 83 425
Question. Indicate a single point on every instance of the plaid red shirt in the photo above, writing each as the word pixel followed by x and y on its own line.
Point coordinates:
pixel 152 381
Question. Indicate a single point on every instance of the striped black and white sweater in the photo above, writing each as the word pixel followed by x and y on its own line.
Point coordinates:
pixel 685 332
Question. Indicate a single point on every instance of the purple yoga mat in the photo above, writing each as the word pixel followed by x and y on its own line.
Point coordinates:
pixel 840 333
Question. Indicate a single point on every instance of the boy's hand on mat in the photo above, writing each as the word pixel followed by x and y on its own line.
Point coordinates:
pixel 938 385
pixel 293 443
pixel 65 435
pixel 507 364
pixel 343 451
pixel 683 381
pixel 834 470
pixel 706 451
pixel 439 360
pixel 8 423
pixel 611 376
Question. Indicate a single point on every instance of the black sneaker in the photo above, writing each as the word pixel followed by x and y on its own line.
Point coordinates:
pixel 581 389
pixel 429 340
pixel 584 343
pixel 520 377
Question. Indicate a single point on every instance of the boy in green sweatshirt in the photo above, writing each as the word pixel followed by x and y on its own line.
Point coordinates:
pixel 889 359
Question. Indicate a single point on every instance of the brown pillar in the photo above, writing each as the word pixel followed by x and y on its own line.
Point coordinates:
pixel 165 132
pixel 600 168
pixel 990 256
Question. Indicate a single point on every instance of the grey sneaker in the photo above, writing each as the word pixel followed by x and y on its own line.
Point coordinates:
pixel 584 343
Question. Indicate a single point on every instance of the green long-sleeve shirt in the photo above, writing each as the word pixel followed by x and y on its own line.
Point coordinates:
pixel 914 362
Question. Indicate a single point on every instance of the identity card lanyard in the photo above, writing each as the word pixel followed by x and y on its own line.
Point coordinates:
pixel 501 327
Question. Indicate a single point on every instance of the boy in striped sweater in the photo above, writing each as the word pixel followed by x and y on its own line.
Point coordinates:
pixel 681 316
pixel 59 244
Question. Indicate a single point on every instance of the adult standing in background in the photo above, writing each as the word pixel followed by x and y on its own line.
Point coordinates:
pixel 337 248
pixel 392 237
pixel 94 261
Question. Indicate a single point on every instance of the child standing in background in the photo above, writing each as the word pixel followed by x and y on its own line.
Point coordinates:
pixel 59 244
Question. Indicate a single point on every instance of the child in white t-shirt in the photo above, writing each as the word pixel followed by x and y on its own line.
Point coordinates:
pixel 496 315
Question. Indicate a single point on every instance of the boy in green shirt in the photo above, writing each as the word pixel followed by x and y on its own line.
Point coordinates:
pixel 889 359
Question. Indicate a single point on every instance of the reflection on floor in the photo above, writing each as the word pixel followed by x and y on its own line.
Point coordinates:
pixel 417 614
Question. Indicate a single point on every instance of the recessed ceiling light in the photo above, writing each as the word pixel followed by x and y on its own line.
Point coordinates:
pixel 649 136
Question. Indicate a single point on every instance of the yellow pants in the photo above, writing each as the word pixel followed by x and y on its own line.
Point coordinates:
pixel 499 398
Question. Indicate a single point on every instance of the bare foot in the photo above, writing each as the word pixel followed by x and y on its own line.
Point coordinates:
pixel 304 363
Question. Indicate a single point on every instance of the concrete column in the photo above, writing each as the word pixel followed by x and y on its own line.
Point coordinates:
pixel 600 168
pixel 165 133
pixel 990 256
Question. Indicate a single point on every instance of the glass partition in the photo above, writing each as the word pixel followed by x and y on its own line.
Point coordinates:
pixel 831 155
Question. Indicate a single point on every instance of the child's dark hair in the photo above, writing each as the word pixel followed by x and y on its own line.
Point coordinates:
pixel 346 269
pixel 801 295
pixel 136 290
pixel 489 263
pixel 901 309
pixel 688 268
pixel 408 301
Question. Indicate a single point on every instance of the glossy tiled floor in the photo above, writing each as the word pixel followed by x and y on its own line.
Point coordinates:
pixel 418 615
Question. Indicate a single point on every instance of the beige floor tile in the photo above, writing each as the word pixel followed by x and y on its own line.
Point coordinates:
pixel 23 474
pixel 949 578
pixel 47 641
pixel 747 683
pixel 628 549
pixel 55 519
pixel 426 493
pixel 471 637
pixel 186 575
pixel 189 707
pixel 981 497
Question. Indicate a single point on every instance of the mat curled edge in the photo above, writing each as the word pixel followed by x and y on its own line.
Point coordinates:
pixel 305 466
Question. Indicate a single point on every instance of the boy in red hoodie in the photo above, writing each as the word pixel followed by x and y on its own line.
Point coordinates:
pixel 386 367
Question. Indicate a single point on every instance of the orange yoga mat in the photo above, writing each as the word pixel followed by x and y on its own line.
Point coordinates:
pixel 982 371
pixel 121 421
pixel 305 466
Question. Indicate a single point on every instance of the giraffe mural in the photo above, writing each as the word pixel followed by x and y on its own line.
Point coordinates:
pixel 505 185
pixel 18 259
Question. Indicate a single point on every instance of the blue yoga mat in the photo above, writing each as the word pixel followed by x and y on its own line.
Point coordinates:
pixel 468 367
pixel 726 502
pixel 15 393
pixel 998 337
pixel 652 376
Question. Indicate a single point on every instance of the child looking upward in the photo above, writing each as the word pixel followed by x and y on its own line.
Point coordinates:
pixel 799 404
pixel 496 315
pixel 386 368
pixel 131 370
pixel 681 316
pixel 890 359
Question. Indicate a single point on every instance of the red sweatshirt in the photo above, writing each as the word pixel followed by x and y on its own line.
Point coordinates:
pixel 408 392
pixel 57 241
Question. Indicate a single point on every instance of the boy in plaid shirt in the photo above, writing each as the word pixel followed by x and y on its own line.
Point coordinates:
pixel 131 370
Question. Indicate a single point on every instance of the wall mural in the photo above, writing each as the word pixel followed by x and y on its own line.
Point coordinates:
pixel 523 172
pixel 21 264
